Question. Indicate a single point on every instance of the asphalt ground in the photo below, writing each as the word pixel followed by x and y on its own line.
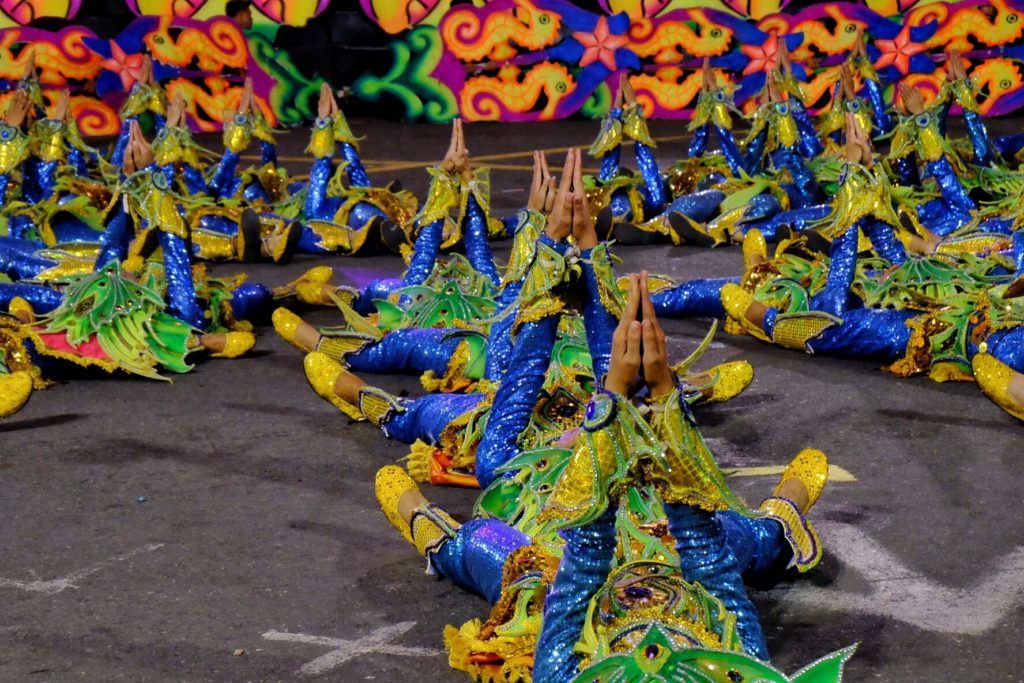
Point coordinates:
pixel 224 527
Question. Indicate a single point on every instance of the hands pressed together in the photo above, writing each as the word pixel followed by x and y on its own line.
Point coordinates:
pixel 638 346
pixel 565 202
pixel 138 154
pixel 456 159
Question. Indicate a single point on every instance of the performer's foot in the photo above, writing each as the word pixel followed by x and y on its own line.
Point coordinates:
pixel 281 246
pixel 334 384
pixel 15 390
pixel 398 497
pixel 295 330
pixel 315 293
pixel 228 344
pixel 722 382
pixel 22 310
pixel 1001 383
pixel 755 249
pixel 741 307
pixel 804 479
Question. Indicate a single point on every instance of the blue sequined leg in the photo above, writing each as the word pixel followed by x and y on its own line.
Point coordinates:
pixel 411 349
pixel 805 188
pixel 949 184
pixel 68 228
pixel 478 249
pixel 268 153
pixel 654 185
pixel 1006 345
pixel 883 239
pixel 224 174
pixel 758 544
pixel 117 158
pixel 115 239
pixel 731 151
pixel 499 337
pixel 181 290
pixel 5 182
pixel 906 171
pixel 879 111
pixel 77 161
pixel 357 174
pixel 810 145
pixel 699 143
pixel 46 180
pixel 43 299
pixel 753 158
pixel 699 298
pixel 516 398
pixel 984 153
pixel 834 296
pixel 316 190
pixel 1018 253
pixel 586 562
pixel 194 180
pixel 704 558
pixel 18 260
pixel 700 206
pixel 475 558
pixel 426 248
pixel 378 289
pixel 425 417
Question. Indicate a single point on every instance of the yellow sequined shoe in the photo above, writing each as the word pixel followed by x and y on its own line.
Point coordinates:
pixel 313 293
pixel 736 301
pixel 22 310
pixel 390 485
pixel 286 324
pixel 322 374
pixel 237 344
pixel 15 390
pixel 283 247
pixel 724 382
pixel 810 467
pixel 755 249
pixel 1000 383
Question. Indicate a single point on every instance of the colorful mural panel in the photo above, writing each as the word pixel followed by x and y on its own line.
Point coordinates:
pixel 516 60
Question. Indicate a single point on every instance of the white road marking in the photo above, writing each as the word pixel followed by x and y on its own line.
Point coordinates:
pixel 898 592
pixel 378 640
pixel 71 580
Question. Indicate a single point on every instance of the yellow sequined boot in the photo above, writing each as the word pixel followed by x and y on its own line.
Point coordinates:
pixel 322 374
pixel 810 468
pixel 1000 383
pixel 430 527
pixel 390 485
pixel 237 344
pixel 22 310
pixel 736 301
pixel 286 324
pixel 15 390
pixel 722 382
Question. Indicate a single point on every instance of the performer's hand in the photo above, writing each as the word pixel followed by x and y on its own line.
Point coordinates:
pixel 626 359
pixel 708 81
pixel 62 112
pixel 146 71
pixel 628 94
pixel 176 111
pixel 657 374
pixel 847 87
pixel 18 109
pixel 913 103
pixel 327 106
pixel 30 67
pixel 955 65
pixel 858 145
pixel 785 64
pixel 448 163
pixel 620 93
pixel 460 158
pixel 860 47
pixel 544 187
pixel 583 229
pixel 560 219
pixel 245 101
pixel 771 89
pixel 138 154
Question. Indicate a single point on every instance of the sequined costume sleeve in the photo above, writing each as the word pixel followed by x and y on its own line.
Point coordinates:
pixel 19 259
pixel 478 248
pixel 700 298
pixel 116 238
pixel 609 144
pixel 357 174
pixel 224 174
pixel 602 304
pixel 419 349
pixel 43 299
pixel 586 563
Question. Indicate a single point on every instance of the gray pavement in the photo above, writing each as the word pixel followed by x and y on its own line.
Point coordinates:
pixel 150 530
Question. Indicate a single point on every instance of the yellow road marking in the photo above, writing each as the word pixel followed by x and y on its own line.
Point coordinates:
pixel 835 472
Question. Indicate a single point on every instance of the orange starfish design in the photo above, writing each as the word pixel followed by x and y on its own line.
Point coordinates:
pixel 600 45
pixel 898 51
pixel 128 67
pixel 762 57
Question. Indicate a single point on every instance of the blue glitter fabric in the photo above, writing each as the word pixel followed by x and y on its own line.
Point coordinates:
pixel 753 158
pixel 984 153
pixel 318 205
pixel 412 349
pixel 18 259
pixel 610 159
pixel 499 337
pixel 949 184
pixel 77 161
pixel 866 333
pixel 883 239
pixel 38 179
pixel 758 544
pixel 796 219
pixel 181 290
pixel 218 224
pixel 475 558
pixel 115 239
pixel 694 298
pixel 704 558
pixel 654 186
pixel 834 296
pixel 268 153
pixel 699 143
pixel 805 190
pixel 727 145
pixel 252 301
pixel 906 171
pixel 224 175
pixel 700 206
pixel 427 246
pixel 598 321
pixel 69 229
pixel 357 174
pixel 478 249
pixel 586 562
pixel 1007 346
pixel 5 182
pixel 516 398
pixel 117 158
pixel 43 299
pixel 809 144
pixel 879 111
pixel 426 417
pixel 194 180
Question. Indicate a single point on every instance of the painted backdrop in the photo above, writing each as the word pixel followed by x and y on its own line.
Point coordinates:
pixel 517 60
